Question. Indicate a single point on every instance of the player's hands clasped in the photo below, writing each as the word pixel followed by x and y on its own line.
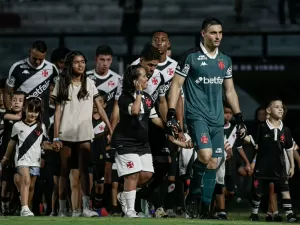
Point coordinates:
pixel 241 127
pixel 172 124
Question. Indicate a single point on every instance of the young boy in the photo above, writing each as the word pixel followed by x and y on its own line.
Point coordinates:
pixel 226 172
pixel 8 171
pixel 98 153
pixel 273 138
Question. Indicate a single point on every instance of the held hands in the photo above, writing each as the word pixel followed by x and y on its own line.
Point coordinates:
pixel 172 124
pixel 228 150
pixel 57 145
pixel 241 127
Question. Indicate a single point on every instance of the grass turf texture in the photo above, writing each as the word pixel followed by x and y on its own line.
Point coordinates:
pixel 238 220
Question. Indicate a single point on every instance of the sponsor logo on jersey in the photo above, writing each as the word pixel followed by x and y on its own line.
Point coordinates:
pixel 110 96
pixel 229 71
pixel 206 80
pixel 203 64
pixel 11 81
pixel 41 88
pixel 25 72
pixel 25 66
pixel 202 57
pixel 186 69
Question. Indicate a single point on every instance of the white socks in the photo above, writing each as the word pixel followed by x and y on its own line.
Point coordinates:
pixel 130 199
pixel 62 205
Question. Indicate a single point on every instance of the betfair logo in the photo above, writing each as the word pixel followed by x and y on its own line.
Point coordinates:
pixel 206 80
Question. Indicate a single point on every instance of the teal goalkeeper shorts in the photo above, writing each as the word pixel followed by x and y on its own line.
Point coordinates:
pixel 204 136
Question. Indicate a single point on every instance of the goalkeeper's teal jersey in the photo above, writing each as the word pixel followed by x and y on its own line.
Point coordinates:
pixel 203 91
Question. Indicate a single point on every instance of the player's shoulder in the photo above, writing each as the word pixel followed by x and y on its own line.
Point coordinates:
pixel 136 62
pixel 225 57
pixel 89 81
pixel 90 72
pixel 114 74
pixel 171 60
pixel 21 64
pixel 19 124
pixel 51 66
pixel 191 51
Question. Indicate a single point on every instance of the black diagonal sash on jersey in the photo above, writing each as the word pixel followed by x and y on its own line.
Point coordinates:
pixel 28 142
pixel 161 68
pixel 36 83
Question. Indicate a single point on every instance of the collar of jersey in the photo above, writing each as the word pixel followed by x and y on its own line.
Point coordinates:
pixel 272 127
pixel 206 53
pixel 101 77
pixel 227 126
pixel 164 63
pixel 36 68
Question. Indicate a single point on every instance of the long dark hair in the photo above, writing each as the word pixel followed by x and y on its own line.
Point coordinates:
pixel 66 78
pixel 35 104
pixel 131 74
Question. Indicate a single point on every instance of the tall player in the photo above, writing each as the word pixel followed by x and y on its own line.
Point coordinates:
pixel 33 76
pixel 161 149
pixel 107 81
pixel 201 72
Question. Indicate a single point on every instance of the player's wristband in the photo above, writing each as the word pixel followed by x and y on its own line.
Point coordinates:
pixel 171 113
pixel 239 118
pixel 139 92
pixel 56 139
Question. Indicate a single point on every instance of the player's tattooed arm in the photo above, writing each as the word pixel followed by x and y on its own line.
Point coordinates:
pixel 8 92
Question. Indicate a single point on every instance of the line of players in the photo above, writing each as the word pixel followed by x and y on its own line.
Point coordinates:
pixel 160 70
pixel 36 76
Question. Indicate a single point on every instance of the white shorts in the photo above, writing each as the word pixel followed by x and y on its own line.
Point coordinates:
pixel 33 170
pixel 133 163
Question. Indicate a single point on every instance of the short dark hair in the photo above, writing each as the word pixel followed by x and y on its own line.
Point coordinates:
pixel 104 50
pixel 149 52
pixel 20 93
pixel 103 95
pixel 131 73
pixel 226 105
pixel 273 99
pixel 160 31
pixel 209 21
pixel 40 46
pixel 58 54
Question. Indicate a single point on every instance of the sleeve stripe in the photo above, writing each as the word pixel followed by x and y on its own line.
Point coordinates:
pixel 227 77
pixel 180 73
pixel 96 95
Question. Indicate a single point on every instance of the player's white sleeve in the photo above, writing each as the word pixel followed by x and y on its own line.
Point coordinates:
pixel 153 113
pixel 119 88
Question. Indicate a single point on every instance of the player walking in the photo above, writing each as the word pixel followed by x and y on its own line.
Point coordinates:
pixel 201 72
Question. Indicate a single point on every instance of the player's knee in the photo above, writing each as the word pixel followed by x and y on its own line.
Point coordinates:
pixel 204 155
